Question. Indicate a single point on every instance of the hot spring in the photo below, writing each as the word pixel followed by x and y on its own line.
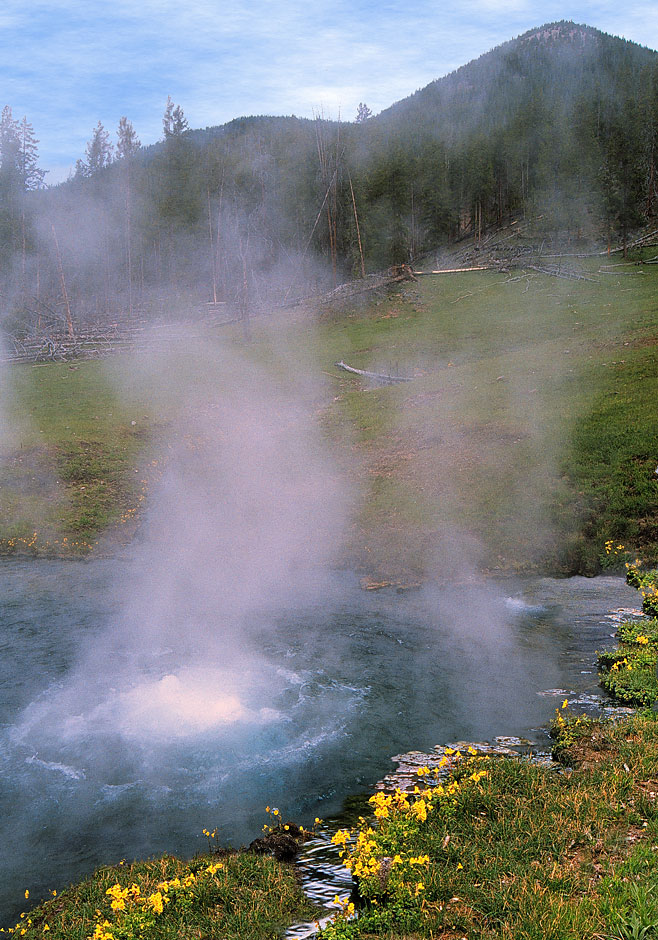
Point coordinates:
pixel 111 749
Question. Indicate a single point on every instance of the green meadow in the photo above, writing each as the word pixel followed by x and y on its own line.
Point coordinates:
pixel 525 438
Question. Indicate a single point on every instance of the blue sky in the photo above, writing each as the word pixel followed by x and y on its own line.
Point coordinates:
pixel 66 65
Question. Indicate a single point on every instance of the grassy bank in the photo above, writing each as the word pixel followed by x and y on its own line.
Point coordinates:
pixel 501 848
pixel 238 895
pixel 508 848
pixel 505 847
pixel 526 433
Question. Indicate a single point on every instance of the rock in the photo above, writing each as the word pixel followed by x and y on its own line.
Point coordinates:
pixel 283 842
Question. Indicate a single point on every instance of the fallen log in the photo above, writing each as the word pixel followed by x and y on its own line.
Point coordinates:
pixel 567 275
pixel 481 267
pixel 376 376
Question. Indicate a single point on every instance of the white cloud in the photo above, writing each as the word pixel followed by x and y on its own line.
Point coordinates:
pixel 68 64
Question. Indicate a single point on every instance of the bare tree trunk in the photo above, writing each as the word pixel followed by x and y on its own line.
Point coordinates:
pixel 69 320
pixel 358 231
pixel 244 295
pixel 128 236
pixel 213 260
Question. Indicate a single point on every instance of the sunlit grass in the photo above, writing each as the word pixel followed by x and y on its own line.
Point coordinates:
pixel 232 895
pixel 509 848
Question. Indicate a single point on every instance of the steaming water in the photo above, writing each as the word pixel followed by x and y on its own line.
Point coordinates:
pixel 143 756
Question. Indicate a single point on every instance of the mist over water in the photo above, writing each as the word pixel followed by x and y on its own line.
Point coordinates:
pixel 132 751
pixel 223 664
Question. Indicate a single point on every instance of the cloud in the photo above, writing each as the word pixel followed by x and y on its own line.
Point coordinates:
pixel 67 65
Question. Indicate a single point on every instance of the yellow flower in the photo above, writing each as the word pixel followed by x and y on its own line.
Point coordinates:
pixel 157 902
pixel 419 809
pixel 565 703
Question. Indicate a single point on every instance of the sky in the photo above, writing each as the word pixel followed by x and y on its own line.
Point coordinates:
pixel 67 65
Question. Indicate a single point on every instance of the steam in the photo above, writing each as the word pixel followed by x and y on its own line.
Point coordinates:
pixel 248 513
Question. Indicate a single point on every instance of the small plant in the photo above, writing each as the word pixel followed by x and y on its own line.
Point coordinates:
pixel 613 554
pixel 646 583
pixel 642 921
pixel 567 730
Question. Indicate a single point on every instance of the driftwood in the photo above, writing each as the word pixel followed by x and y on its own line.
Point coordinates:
pixel 375 376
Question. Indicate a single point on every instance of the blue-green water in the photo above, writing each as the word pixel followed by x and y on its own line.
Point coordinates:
pixel 117 743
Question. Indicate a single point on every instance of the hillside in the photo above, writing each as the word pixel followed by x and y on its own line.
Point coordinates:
pixel 558 126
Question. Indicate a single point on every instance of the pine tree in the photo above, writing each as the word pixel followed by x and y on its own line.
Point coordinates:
pixel 98 153
pixel 9 144
pixel 11 194
pixel 363 112
pixel 32 175
pixel 128 143
pixel 174 122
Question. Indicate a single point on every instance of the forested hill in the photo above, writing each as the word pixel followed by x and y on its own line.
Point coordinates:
pixel 562 121
pixel 559 126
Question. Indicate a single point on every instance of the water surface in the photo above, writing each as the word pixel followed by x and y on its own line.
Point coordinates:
pixel 114 746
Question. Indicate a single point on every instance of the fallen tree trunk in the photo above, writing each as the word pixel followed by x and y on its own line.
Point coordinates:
pixel 376 376
pixel 481 267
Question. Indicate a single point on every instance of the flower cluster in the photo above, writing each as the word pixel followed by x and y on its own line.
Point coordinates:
pixel 382 854
pixel 137 913
pixel 646 583
pixel 36 545
pixel 612 549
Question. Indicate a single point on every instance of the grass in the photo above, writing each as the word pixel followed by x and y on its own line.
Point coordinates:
pixel 629 671
pixel 73 464
pixel 528 429
pixel 232 895
pixel 509 848
pixel 506 848
pixel 527 432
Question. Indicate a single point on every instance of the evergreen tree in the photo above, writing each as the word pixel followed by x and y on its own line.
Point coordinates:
pixel 98 153
pixel 9 144
pixel 363 112
pixel 32 175
pixel 128 143
pixel 11 193
pixel 174 122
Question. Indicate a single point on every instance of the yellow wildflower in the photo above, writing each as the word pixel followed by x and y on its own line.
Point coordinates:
pixel 419 809
pixel 157 902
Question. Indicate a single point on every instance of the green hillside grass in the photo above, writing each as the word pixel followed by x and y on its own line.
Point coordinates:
pixel 527 433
